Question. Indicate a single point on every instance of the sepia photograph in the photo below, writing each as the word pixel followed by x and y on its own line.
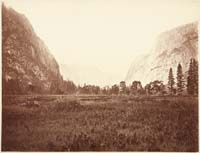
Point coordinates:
pixel 99 75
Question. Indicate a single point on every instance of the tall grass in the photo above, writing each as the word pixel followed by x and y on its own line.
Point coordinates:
pixel 133 125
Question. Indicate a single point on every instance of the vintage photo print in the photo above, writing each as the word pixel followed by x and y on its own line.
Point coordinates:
pixel 100 75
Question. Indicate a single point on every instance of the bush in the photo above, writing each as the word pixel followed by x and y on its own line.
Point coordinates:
pixel 71 105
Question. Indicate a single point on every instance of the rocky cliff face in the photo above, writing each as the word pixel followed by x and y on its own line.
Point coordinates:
pixel 27 64
pixel 172 47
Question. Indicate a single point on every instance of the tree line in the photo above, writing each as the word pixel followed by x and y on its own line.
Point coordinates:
pixel 188 85
pixel 180 85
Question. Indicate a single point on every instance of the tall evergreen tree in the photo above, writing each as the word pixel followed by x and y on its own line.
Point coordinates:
pixel 180 80
pixel 171 81
pixel 195 67
pixel 190 78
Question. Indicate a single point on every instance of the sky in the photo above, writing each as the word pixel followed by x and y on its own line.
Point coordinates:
pixel 107 34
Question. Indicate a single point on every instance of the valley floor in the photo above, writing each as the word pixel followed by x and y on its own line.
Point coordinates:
pixel 99 123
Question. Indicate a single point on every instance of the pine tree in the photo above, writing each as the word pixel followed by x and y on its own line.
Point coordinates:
pixel 171 81
pixel 180 80
pixel 195 67
pixel 190 78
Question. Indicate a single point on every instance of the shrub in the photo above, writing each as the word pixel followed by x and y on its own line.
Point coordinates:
pixel 71 105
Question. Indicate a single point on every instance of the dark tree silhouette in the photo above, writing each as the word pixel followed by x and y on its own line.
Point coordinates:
pixel 114 89
pixel 171 81
pixel 89 89
pixel 69 87
pixel 195 77
pixel 122 87
pixel 192 79
pixel 136 87
pixel 180 80
pixel 155 87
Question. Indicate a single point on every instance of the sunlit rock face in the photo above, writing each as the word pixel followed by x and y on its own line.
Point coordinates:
pixel 172 47
pixel 27 64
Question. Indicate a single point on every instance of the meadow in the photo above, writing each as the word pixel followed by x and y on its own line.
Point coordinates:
pixel 101 123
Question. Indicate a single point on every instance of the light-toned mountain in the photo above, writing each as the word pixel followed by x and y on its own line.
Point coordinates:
pixel 172 47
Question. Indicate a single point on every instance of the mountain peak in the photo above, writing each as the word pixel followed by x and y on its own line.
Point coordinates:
pixel 174 46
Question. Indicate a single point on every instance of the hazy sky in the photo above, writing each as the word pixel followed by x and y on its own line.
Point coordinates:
pixel 104 33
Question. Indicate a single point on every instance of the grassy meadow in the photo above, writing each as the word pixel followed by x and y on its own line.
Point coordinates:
pixel 107 123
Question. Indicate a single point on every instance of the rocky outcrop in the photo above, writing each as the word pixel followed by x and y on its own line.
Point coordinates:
pixel 172 47
pixel 27 64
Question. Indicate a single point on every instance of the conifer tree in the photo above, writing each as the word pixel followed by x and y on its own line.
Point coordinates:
pixel 190 78
pixel 180 80
pixel 171 81
pixel 195 67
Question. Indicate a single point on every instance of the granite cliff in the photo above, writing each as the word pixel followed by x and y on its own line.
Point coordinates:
pixel 172 47
pixel 27 64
